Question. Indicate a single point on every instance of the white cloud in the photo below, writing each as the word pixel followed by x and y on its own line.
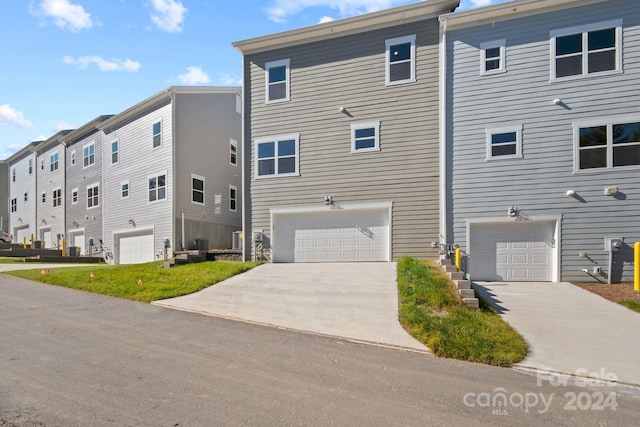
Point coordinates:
pixel 326 19
pixel 58 126
pixel 194 76
pixel 227 80
pixel 65 14
pixel 39 138
pixel 10 116
pixel 104 65
pixel 169 15
pixel 279 10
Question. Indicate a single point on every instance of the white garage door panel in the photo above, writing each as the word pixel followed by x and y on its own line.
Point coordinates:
pixel 78 240
pixel 135 249
pixel 512 251
pixel 331 236
pixel 21 234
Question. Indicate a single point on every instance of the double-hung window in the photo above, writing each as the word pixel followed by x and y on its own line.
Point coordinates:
pixel 401 60
pixel 233 198
pixel 73 157
pixel 277 156
pixel 13 175
pixel 233 152
pixel 365 137
pixel 44 197
pixel 53 162
pixel 14 205
pixel 492 57
pixel 277 80
pixel 30 166
pixel 583 51
pixel 74 196
pixel 89 155
pixel 114 152
pixel 197 189
pixel 57 197
pixel 93 199
pixel 156 130
pixel 504 142
pixel 157 187
pixel 124 189
pixel 607 144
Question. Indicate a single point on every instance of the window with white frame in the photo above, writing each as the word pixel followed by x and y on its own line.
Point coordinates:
pixel 57 197
pixel 277 156
pixel 233 152
pixel 365 137
pixel 238 104
pixel 401 59
pixel 14 205
pixel 277 80
pixel 89 154
pixel 492 57
pixel 93 199
pixel 156 130
pixel 44 197
pixel 504 142
pixel 608 143
pixel 157 187
pixel 197 189
pixel 114 152
pixel 30 166
pixel 73 157
pixel 233 198
pixel 586 50
pixel 53 162
pixel 124 189
pixel 26 197
pixel 74 196
pixel 13 175
pixel 42 164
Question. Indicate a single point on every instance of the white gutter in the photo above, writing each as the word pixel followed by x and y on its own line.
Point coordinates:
pixel 242 167
pixel 443 132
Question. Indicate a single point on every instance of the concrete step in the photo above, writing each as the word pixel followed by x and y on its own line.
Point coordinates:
pixel 457 275
pixel 445 261
pixel 462 284
pixel 472 302
pixel 449 268
pixel 467 293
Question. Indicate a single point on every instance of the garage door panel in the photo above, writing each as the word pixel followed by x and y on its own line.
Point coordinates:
pixel 135 248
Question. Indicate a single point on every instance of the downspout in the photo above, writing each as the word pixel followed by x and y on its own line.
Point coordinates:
pixel 443 132
pixel 242 167
pixel 172 232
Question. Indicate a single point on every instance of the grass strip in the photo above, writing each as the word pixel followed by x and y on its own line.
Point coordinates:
pixel 139 282
pixel 632 304
pixel 433 313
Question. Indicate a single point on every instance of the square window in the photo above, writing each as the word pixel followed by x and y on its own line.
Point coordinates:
pixel 587 50
pixel 277 156
pixel 277 80
pixel 157 188
pixel 197 189
pixel 233 198
pixel 504 142
pixel 401 60
pixel 157 134
pixel 492 57
pixel 616 143
pixel 365 137
pixel 89 155
pixel 114 152
pixel 124 189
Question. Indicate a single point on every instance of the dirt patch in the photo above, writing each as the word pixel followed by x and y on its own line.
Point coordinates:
pixel 615 293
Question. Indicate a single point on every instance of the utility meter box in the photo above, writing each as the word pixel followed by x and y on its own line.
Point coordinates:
pixel 613 244
pixel 257 235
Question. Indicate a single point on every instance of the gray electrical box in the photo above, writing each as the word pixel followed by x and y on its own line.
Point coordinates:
pixel 257 235
pixel 613 244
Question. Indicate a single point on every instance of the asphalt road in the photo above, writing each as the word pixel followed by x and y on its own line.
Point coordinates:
pixel 70 358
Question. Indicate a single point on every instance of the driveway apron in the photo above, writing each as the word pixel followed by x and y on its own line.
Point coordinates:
pixel 357 301
pixel 569 330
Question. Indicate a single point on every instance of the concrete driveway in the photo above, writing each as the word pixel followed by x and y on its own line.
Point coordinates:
pixel 357 301
pixel 569 330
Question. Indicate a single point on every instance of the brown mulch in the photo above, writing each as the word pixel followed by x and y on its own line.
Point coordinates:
pixel 616 292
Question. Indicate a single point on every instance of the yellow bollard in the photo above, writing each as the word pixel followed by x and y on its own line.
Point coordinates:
pixel 64 247
pixel 636 267
pixel 458 258
pixel 32 240
pixel 24 242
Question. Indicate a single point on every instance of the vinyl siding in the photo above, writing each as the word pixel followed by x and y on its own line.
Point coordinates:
pixel 25 216
pixel 48 217
pixel 537 183
pixel 349 72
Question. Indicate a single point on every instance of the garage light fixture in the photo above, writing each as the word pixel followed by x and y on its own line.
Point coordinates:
pixel 132 222
pixel 610 191
pixel 512 211
pixel 328 200
pixel 571 193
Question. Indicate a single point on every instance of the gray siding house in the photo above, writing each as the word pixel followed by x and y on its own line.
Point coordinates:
pixel 341 138
pixel 542 147
pixel 4 196
pixel 84 169
pixel 171 178
pixel 22 189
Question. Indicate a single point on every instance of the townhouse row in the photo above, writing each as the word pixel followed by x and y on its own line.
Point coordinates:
pixel 511 131
pixel 162 176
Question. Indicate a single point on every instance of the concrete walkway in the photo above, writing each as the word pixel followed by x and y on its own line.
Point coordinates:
pixel 358 301
pixel 569 330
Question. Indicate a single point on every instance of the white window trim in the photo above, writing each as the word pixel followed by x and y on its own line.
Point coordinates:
pixel 42 163
pixel 166 187
pixel 279 63
pixel 504 129
pixel 483 58
pixel 116 141
pixel 238 104
pixel 53 197
pixel 57 162
pixel 13 174
pixel 204 188
pixel 94 154
pixel 97 184
pixel 75 190
pixel 44 197
pixel 30 166
pixel 584 30
pixel 233 187
pixel 233 143
pixel 73 158
pixel 366 125
pixel 603 121
pixel 393 42
pixel 257 141
pixel 128 189
pixel 161 134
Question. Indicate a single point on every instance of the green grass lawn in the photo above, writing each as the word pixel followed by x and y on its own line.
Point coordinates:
pixel 433 313
pixel 632 304
pixel 140 282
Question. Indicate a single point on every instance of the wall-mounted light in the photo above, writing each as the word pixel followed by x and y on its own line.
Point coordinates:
pixel 571 193
pixel 44 221
pixel 132 222
pixel 328 200
pixel 557 101
pixel 75 224
pixel 610 191
pixel 512 211
pixel 20 220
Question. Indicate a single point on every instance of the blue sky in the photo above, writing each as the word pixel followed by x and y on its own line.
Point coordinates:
pixel 66 62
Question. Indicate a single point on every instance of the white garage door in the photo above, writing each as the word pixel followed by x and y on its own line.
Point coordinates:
pixel 519 251
pixel 21 234
pixel 78 241
pixel 134 248
pixel 331 236
pixel 45 236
